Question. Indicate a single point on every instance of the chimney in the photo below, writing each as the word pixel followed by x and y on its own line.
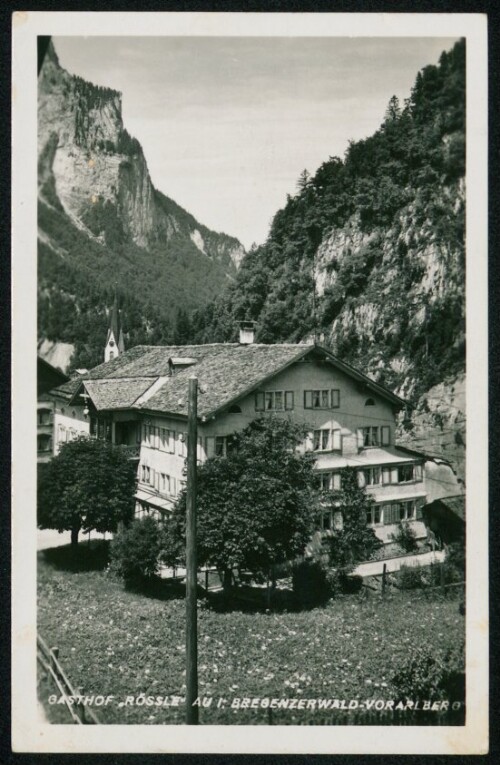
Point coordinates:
pixel 247 332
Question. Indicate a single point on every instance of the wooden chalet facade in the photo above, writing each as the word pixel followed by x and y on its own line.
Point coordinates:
pixel 139 400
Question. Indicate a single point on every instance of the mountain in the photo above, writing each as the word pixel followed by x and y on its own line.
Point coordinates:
pixel 103 227
pixel 368 255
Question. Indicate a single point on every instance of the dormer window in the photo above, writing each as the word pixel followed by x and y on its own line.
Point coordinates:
pixel 369 402
pixel 234 409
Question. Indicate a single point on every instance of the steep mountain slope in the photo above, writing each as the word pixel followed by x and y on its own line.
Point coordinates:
pixel 370 251
pixel 103 226
pixel 368 255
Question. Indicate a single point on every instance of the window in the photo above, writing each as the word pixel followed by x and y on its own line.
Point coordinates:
pixel 371 476
pixel 329 481
pixel 224 445
pixel 405 473
pixel 373 515
pixel 395 512
pixel 321 399
pixel 167 440
pixel 331 520
pixel 326 440
pixel 273 401
pixel 374 436
pixel 164 483
pixel 234 409
pixel 44 416
pixel 402 474
pixel 44 443
pixel 369 402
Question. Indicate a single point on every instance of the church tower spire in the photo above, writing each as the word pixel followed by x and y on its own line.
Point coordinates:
pixel 114 342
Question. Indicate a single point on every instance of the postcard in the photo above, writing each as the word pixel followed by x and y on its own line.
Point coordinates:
pixel 250 252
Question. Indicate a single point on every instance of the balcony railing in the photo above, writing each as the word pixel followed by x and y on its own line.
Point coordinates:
pixel 133 452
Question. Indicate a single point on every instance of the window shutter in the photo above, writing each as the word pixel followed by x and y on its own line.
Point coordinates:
pixel 259 402
pixel 157 438
pixel 359 436
pixel 289 399
pixel 386 475
pixel 336 481
pixel 417 472
pixel 386 435
pixel 335 398
pixel 309 441
pixel 210 446
pixel 394 475
pixel 173 488
pixel 361 479
pixel 308 399
pixel 336 440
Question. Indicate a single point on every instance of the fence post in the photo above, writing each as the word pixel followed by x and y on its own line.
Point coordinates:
pixel 384 578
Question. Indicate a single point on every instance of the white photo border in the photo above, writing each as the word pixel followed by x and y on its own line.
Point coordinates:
pixel 28 733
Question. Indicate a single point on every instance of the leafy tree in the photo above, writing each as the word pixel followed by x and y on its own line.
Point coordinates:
pixel 135 550
pixel 255 505
pixel 90 484
pixel 353 541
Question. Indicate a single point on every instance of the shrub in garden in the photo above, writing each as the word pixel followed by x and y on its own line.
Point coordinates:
pixel 455 556
pixel 405 537
pixel 431 675
pixel 410 577
pixel 311 583
pixel 350 584
pixel 135 550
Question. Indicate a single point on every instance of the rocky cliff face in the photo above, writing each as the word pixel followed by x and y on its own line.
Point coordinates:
pixel 96 166
pixel 104 228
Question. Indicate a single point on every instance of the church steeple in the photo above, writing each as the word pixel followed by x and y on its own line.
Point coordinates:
pixel 114 342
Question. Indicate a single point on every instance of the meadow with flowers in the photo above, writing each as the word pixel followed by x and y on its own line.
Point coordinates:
pixel 122 644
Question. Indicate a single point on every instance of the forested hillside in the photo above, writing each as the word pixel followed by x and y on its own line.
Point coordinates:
pixel 104 229
pixel 368 254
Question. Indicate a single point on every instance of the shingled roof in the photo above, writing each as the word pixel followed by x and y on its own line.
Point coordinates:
pixel 225 372
pixel 117 394
pixel 223 376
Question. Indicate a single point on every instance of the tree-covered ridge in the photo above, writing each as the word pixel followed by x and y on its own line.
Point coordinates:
pixel 369 252
pixel 78 280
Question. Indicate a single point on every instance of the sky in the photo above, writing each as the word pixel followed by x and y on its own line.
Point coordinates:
pixel 227 124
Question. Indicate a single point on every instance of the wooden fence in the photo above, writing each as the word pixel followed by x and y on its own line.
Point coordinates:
pixel 48 659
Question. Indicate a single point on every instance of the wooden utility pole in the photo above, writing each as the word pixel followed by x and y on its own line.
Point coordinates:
pixel 191 566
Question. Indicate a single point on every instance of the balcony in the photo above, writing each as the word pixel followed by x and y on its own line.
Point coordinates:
pixel 133 452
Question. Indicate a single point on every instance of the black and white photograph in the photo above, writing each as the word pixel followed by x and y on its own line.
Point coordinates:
pixel 242 261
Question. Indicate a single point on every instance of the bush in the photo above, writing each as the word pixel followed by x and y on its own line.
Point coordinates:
pixel 311 583
pixel 444 573
pixel 455 556
pixel 405 537
pixel 135 550
pixel 431 675
pixel 410 577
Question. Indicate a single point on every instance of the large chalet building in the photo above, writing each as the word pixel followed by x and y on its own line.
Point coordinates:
pixel 139 398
